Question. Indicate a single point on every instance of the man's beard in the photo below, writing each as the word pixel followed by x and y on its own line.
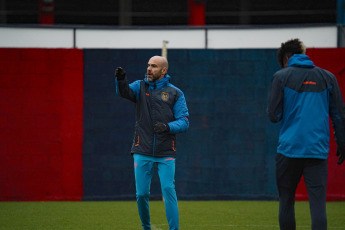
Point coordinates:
pixel 152 78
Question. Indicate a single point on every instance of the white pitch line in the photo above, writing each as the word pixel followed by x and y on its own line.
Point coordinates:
pixel 153 227
pixel 256 226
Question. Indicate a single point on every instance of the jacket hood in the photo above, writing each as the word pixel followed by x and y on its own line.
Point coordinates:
pixel 300 60
pixel 158 84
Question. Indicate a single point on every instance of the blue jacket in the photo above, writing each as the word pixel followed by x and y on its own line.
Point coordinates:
pixel 158 101
pixel 303 97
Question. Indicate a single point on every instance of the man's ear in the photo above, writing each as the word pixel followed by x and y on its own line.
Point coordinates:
pixel 285 60
pixel 164 70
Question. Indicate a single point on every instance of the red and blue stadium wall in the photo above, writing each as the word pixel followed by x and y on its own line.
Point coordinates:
pixel 66 135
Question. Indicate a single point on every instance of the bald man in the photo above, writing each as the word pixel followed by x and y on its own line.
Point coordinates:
pixel 161 113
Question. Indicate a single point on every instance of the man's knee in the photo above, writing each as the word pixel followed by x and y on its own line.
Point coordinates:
pixel 142 195
pixel 168 188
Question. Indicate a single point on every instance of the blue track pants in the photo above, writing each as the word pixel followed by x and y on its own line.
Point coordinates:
pixel 143 171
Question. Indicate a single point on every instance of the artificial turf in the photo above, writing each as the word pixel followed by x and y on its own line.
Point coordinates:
pixel 123 215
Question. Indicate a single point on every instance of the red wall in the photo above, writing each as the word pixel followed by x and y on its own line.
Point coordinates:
pixel 332 60
pixel 41 108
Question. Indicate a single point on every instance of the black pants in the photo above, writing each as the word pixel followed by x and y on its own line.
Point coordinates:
pixel 288 174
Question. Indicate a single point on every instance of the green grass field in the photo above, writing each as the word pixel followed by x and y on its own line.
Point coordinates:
pixel 210 215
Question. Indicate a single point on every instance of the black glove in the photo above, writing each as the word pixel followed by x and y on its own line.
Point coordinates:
pixel 120 73
pixel 161 127
pixel 341 154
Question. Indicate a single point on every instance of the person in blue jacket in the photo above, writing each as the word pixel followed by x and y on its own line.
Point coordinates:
pixel 304 96
pixel 161 113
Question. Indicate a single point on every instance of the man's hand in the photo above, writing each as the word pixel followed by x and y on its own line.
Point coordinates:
pixel 161 127
pixel 120 73
pixel 341 154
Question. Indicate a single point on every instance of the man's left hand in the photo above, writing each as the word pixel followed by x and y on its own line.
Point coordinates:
pixel 341 154
pixel 161 127
pixel 120 73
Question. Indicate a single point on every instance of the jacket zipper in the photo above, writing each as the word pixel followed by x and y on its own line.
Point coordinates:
pixel 154 135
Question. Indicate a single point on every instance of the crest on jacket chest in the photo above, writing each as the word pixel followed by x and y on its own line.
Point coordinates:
pixel 165 96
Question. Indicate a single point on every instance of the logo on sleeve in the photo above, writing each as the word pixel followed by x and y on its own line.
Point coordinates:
pixel 165 96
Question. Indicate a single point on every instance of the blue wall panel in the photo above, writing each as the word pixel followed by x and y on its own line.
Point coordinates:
pixel 229 150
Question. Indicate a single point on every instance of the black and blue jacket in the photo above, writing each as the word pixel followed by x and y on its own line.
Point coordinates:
pixel 303 97
pixel 157 101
